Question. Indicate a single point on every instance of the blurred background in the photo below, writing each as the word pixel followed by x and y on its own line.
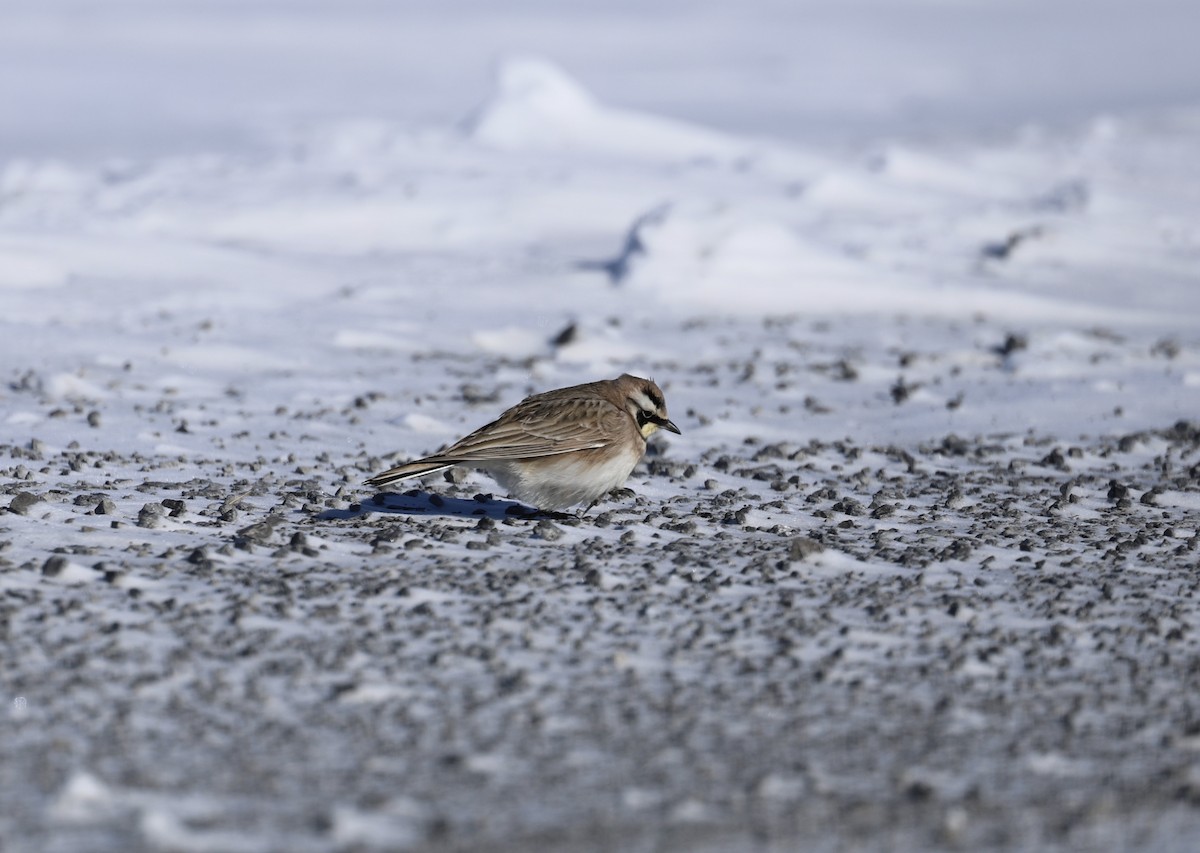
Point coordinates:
pixel 81 79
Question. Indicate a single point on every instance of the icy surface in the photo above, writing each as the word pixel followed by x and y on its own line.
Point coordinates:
pixel 920 572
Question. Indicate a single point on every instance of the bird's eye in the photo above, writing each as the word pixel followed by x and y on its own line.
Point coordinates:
pixel 647 414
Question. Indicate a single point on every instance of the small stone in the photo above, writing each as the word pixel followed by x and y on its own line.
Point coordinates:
pixel 849 506
pixel 1012 343
pixel 1055 459
pixel 566 336
pixel 53 567
pixel 260 531
pixel 801 547
pixel 176 506
pixel 105 506
pixel 548 531
pixel 883 511
pixel 150 515
pixel 93 419
pixel 22 503
pixel 953 445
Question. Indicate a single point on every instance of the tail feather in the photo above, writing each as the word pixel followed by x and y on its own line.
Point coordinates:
pixel 407 471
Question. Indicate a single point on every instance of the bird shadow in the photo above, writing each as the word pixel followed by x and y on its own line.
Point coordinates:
pixel 429 504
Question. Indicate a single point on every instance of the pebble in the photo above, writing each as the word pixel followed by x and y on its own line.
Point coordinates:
pixel 54 566
pixel 802 547
pixel 23 502
pixel 176 507
pixel 547 530
pixel 150 515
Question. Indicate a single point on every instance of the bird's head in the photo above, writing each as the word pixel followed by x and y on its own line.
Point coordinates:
pixel 645 403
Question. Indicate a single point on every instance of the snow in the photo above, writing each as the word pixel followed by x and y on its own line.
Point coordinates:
pixel 921 283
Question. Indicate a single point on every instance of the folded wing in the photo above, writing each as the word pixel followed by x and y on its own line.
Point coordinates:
pixel 527 431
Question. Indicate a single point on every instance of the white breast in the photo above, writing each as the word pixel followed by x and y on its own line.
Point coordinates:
pixel 557 482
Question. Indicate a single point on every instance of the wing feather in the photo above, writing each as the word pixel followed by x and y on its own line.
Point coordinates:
pixel 547 424
pixel 532 429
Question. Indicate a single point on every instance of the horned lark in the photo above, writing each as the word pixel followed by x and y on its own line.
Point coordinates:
pixel 559 448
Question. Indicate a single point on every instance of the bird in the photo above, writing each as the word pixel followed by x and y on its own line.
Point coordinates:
pixel 559 448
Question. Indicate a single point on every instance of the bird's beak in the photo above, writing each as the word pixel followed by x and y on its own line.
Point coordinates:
pixel 667 425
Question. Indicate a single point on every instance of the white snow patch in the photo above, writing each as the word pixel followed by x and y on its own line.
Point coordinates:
pixel 167 830
pixel 420 423
pixel 371 340
pixel 640 799
pixel 514 341
pixel 781 786
pixel 1179 500
pixel 22 270
pixel 1056 764
pixel 488 763
pixel 690 811
pixel 538 107
pixel 72 386
pixel 374 693
pixel 227 358
pixel 376 829
pixel 84 799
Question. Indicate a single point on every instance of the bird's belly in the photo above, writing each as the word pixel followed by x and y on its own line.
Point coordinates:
pixel 557 482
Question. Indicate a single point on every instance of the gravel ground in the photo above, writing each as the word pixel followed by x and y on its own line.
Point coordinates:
pixel 978 641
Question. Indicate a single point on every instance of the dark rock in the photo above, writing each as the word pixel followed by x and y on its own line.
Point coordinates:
pixel 177 507
pixel 849 506
pixel 54 566
pixel 1012 343
pixel 150 515
pixel 259 532
pixel 548 531
pixel 23 502
pixel 802 547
